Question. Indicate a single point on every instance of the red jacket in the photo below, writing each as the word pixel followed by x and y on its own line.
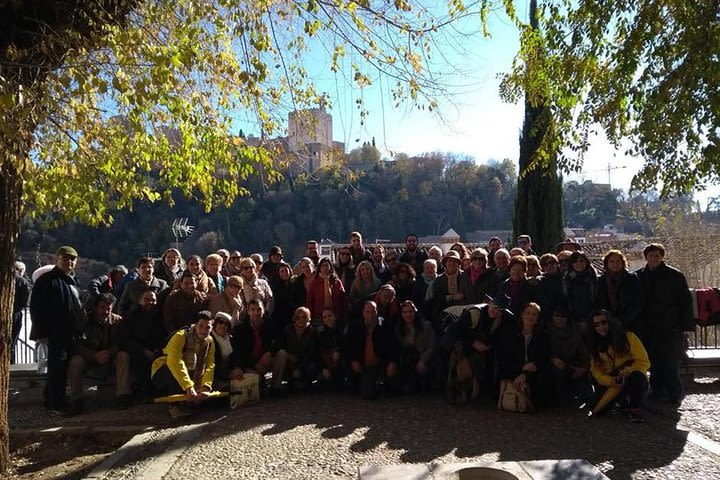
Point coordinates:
pixel 315 299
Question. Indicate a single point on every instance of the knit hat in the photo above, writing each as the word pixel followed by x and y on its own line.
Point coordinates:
pixel 275 250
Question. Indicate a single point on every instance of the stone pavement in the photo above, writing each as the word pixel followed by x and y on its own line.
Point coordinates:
pixel 315 436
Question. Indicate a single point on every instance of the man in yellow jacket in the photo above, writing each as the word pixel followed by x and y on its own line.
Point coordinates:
pixel 188 362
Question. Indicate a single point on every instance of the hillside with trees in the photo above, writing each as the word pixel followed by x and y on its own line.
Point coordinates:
pixel 385 199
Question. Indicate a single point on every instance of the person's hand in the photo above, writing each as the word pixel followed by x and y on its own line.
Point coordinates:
pixel 391 369
pixel 149 354
pixel 326 374
pixel 530 367
pixel 102 356
pixel 559 363
pixel 457 296
pixel 420 367
pixel 236 373
pixel 578 372
pixel 356 366
pixel 191 395
pixel 480 346
pixel 520 381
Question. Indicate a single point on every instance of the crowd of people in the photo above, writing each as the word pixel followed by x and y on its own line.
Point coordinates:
pixel 472 324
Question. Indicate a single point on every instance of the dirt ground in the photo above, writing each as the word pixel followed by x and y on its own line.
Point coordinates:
pixel 61 455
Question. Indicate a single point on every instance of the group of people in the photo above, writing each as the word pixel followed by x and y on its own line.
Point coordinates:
pixel 373 321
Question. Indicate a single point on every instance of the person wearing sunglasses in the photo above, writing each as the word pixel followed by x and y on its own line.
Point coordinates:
pixel 254 287
pixel 345 268
pixel 619 364
pixel 229 301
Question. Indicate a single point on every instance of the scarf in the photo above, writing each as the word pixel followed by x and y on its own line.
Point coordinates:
pixel 429 280
pixel 475 275
pixel 223 343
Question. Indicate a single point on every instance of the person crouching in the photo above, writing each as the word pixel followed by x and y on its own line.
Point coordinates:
pixel 187 363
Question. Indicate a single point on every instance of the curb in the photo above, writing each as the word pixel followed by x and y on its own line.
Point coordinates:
pixel 162 463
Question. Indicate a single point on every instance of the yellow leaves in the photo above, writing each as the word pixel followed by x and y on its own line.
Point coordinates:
pixel 415 61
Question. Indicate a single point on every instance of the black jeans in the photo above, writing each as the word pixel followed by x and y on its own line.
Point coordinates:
pixel 164 383
pixel 665 357
pixel 16 327
pixel 57 365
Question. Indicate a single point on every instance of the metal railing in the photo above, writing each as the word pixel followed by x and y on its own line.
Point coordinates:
pixel 704 337
pixel 25 349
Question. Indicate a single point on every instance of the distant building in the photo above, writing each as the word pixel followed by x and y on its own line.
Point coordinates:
pixel 309 145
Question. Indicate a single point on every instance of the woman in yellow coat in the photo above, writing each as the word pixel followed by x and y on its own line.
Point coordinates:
pixel 619 365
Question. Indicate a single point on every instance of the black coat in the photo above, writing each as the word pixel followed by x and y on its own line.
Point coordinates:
pixel 286 298
pixel 22 294
pixel 142 330
pixel 384 342
pixel 524 293
pixel 487 284
pixel 631 298
pixel 417 261
pixel 580 289
pixel 55 308
pixel 668 304
pixel 510 350
pixel 550 295
pixel 243 339
pixel 470 328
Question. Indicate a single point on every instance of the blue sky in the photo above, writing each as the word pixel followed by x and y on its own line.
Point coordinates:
pixel 474 120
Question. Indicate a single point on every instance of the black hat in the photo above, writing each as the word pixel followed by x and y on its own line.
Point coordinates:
pixel 500 300
pixel 275 250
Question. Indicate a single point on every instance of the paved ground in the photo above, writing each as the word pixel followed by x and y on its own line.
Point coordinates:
pixel 317 436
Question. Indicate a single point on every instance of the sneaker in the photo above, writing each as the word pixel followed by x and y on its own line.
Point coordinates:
pixel 634 416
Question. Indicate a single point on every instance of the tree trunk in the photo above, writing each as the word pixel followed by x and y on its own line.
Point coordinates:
pixel 11 185
pixel 538 205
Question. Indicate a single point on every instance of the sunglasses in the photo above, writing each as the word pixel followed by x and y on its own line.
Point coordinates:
pixel 600 323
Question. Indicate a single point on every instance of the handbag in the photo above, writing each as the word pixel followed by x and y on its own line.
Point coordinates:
pixel 513 400
pixel 245 390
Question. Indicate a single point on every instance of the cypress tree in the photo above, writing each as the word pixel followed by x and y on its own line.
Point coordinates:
pixel 538 204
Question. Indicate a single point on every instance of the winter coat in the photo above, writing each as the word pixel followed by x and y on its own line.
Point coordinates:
pixel 630 298
pixel 55 308
pixel 580 289
pixel 668 304
pixel 609 361
pixel 486 284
